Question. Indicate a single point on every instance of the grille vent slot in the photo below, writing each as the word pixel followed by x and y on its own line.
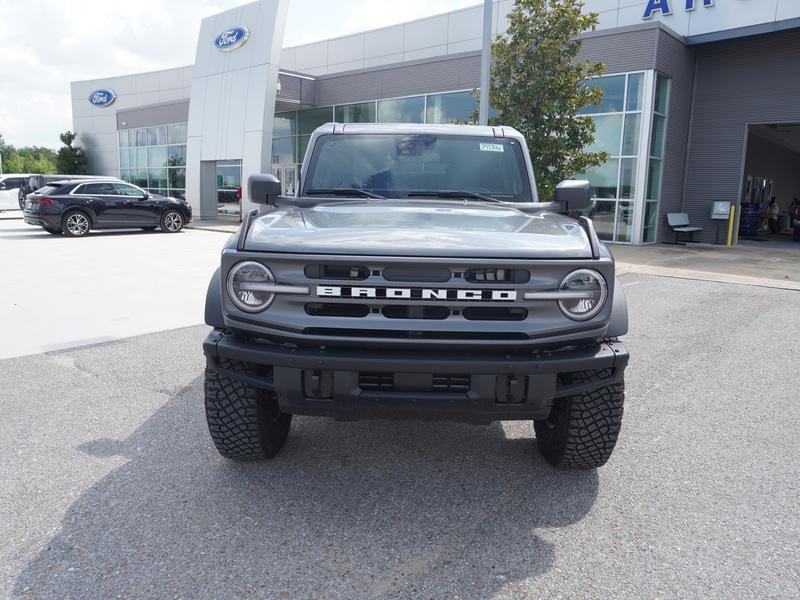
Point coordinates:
pixel 376 381
pixel 403 311
pixel 497 275
pixel 325 309
pixel 494 313
pixel 351 272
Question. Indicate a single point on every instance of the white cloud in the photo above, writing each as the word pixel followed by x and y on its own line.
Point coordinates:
pixel 46 44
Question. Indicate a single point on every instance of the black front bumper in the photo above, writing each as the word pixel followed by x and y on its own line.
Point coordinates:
pixel 460 386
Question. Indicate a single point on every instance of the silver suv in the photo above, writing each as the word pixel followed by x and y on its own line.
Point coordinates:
pixel 416 275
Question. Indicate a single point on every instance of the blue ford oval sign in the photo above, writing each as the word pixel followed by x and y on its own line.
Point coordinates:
pixel 102 97
pixel 232 38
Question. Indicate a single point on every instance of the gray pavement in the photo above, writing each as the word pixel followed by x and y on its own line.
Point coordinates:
pixel 111 486
pixel 60 292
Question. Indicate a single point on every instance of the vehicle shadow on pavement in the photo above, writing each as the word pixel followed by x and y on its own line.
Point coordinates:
pixel 367 509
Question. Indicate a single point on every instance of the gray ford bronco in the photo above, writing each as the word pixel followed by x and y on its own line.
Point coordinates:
pixel 416 275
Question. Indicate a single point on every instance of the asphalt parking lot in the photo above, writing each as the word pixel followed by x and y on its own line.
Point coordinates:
pixel 112 488
pixel 60 292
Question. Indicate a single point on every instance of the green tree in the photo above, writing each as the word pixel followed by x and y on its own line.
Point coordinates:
pixel 70 160
pixel 539 87
pixel 28 159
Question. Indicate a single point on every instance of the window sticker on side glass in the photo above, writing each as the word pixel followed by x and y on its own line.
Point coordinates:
pixel 491 147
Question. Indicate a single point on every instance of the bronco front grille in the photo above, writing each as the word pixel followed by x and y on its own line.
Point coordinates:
pixel 390 382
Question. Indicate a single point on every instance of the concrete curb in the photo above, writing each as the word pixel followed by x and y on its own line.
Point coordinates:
pixel 779 284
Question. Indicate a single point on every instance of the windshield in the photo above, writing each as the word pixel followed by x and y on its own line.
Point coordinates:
pixel 396 165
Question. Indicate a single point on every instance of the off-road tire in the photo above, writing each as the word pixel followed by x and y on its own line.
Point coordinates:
pixel 245 422
pixel 581 431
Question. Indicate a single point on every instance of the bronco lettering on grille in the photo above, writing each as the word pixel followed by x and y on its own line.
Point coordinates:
pixel 332 291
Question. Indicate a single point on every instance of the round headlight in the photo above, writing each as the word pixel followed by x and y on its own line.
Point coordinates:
pixel 589 292
pixel 248 286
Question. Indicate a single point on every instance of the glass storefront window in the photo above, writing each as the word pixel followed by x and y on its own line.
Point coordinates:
pixel 657 139
pixel 177 177
pixel 627 178
pixel 402 110
pixel 123 138
pixel 157 157
pixel 662 94
pixel 176 134
pixel 608 129
pixel 603 179
pixel 635 96
pixel 140 177
pixel 625 213
pixel 285 124
pixel 363 112
pixel 650 221
pixel 449 108
pixel 654 180
pixel 124 163
pixel 141 137
pixel 283 152
pixel 301 150
pixel 157 178
pixel 613 94
pixel 156 136
pixel 630 139
pixel 310 119
pixel 141 157
pixel 176 156
pixel 603 214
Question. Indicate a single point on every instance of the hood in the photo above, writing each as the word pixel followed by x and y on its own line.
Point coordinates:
pixel 448 228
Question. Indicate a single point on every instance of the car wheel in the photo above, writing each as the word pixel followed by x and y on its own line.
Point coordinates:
pixel 52 231
pixel 76 224
pixel 149 228
pixel 245 422
pixel 171 221
pixel 21 199
pixel 581 431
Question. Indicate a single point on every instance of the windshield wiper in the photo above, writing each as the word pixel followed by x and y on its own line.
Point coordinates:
pixel 343 192
pixel 453 194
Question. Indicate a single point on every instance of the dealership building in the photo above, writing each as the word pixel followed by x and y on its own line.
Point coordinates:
pixel 701 105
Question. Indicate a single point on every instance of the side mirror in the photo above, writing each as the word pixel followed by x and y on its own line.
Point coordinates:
pixel 263 187
pixel 573 195
pixel 3 185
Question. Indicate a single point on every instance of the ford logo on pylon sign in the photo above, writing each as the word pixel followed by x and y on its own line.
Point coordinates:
pixel 102 97
pixel 232 38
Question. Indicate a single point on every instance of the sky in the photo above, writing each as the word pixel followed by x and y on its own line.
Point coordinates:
pixel 46 44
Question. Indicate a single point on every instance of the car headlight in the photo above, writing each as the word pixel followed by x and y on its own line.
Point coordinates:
pixel 249 286
pixel 588 291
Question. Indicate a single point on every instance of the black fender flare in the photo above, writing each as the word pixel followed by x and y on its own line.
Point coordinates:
pixel 618 323
pixel 213 313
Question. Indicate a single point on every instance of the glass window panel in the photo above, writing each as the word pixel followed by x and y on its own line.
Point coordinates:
pixel 157 178
pixel 178 193
pixel 603 179
pixel 657 141
pixel 301 151
pixel 662 94
pixel 176 156
pixel 283 151
pixel 635 91
pixel 627 183
pixel 613 94
pixel 363 112
pixel 447 108
pixel 285 123
pixel 141 137
pixel 608 129
pixel 140 177
pixel 141 158
pixel 176 134
pixel 156 136
pixel 125 174
pixel 124 163
pixel 650 221
pixel 177 177
pixel 603 219
pixel 309 120
pixel 156 157
pixel 630 139
pixel 654 180
pixel 402 110
pixel 624 221
pixel 123 138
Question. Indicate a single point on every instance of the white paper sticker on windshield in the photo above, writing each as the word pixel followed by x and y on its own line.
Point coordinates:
pixel 491 147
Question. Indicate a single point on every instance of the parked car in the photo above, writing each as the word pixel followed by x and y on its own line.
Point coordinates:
pixel 76 207
pixel 10 186
pixel 38 180
pixel 435 285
